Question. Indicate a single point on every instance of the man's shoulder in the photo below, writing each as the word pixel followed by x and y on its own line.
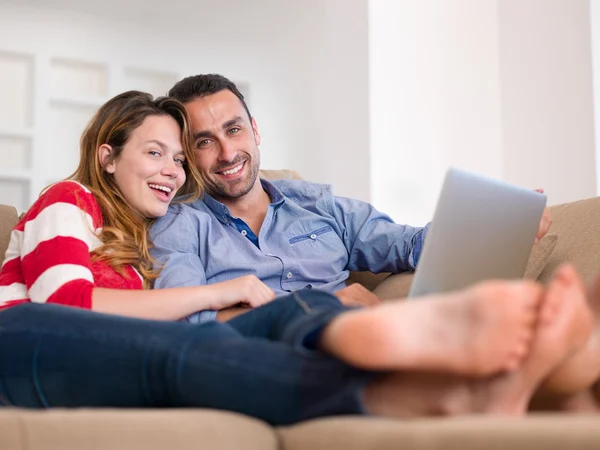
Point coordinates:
pixel 182 215
pixel 302 191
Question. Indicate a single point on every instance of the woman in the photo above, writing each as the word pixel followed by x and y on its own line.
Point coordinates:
pixel 83 243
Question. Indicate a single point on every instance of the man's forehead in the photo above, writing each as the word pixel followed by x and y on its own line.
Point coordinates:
pixel 214 103
pixel 215 110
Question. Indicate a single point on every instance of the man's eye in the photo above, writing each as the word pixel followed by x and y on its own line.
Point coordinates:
pixel 203 143
pixel 234 130
pixel 180 161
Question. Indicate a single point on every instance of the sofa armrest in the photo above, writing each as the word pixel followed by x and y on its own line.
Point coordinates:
pixel 8 220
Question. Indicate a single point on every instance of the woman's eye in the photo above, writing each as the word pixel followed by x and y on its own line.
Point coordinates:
pixel 180 161
pixel 154 152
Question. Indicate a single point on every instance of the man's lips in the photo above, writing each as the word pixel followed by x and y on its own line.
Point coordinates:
pixel 231 172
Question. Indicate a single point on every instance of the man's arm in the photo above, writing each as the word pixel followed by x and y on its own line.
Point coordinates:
pixel 175 248
pixel 374 241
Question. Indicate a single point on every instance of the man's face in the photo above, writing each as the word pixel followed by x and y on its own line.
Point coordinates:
pixel 226 144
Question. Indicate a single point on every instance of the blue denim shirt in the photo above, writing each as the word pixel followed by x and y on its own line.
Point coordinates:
pixel 309 238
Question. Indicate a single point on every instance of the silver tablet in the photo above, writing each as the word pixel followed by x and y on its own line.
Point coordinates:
pixel 482 229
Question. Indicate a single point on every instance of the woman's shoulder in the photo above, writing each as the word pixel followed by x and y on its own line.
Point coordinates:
pixel 66 195
pixel 65 190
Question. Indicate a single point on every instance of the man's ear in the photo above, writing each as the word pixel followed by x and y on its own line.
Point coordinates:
pixel 256 134
pixel 105 155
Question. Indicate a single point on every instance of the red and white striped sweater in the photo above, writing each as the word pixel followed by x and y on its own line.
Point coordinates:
pixel 48 258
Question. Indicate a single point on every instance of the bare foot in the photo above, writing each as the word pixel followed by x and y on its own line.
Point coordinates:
pixel 582 367
pixel 558 336
pixel 565 326
pixel 480 331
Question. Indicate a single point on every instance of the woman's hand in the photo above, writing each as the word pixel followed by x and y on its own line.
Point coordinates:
pixel 246 291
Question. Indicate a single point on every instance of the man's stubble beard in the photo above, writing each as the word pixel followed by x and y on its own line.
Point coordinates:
pixel 221 190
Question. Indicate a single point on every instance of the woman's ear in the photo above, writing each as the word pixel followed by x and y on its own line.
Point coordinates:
pixel 105 155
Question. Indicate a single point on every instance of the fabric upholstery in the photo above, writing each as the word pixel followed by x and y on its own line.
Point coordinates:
pixel 551 432
pixel 578 226
pixel 148 429
pixel 8 220
pixel 279 175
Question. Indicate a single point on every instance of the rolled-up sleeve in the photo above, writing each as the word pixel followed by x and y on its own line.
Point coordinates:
pixel 175 248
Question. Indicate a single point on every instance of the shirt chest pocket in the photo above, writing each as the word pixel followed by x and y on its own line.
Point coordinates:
pixel 312 236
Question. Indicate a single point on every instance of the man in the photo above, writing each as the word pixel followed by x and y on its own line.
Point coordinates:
pixel 291 234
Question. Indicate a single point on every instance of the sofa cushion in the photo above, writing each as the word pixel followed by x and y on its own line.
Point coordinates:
pixel 540 255
pixel 578 226
pixel 395 286
pixel 551 432
pixel 149 429
pixel 8 220
pixel 279 174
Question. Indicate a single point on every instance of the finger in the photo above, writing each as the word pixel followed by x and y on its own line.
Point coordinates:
pixel 266 293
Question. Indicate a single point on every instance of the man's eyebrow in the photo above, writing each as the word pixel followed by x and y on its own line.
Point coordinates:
pixel 231 122
pixel 202 134
pixel 207 134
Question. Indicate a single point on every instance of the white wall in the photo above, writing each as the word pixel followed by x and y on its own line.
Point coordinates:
pixel 595 34
pixel 501 87
pixel 434 93
pixel 547 96
pixel 275 47
pixel 377 97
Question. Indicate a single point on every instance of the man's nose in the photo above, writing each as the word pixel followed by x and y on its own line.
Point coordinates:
pixel 228 151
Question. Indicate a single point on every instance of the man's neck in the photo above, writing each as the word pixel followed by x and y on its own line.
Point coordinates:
pixel 251 208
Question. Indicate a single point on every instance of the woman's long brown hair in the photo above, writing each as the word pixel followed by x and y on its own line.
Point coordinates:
pixel 125 231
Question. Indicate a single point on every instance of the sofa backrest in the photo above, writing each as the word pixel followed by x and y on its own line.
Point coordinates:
pixel 8 220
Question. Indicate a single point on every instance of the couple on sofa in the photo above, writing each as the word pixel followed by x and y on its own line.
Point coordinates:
pixel 86 243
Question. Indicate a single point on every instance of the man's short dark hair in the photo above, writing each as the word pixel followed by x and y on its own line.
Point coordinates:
pixel 191 88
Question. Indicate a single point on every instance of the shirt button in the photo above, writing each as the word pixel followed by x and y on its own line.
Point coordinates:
pixel 244 232
pixel 313 236
pixel 289 275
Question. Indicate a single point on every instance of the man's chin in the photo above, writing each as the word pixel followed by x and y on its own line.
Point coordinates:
pixel 224 193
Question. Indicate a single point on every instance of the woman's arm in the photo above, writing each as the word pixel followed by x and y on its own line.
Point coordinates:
pixel 177 303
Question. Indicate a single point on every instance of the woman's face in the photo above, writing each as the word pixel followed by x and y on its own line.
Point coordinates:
pixel 149 170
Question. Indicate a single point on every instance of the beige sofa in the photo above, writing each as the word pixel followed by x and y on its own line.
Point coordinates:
pixel 574 237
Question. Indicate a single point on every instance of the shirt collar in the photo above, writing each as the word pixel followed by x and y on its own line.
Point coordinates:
pixel 222 211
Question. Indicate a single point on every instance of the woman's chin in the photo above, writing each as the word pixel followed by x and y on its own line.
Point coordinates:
pixel 155 213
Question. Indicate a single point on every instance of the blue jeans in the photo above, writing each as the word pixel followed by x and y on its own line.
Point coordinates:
pixel 262 363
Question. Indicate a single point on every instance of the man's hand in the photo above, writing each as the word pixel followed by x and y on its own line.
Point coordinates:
pixel 545 223
pixel 357 295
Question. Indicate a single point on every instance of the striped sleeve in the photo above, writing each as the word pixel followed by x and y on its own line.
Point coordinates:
pixel 57 235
